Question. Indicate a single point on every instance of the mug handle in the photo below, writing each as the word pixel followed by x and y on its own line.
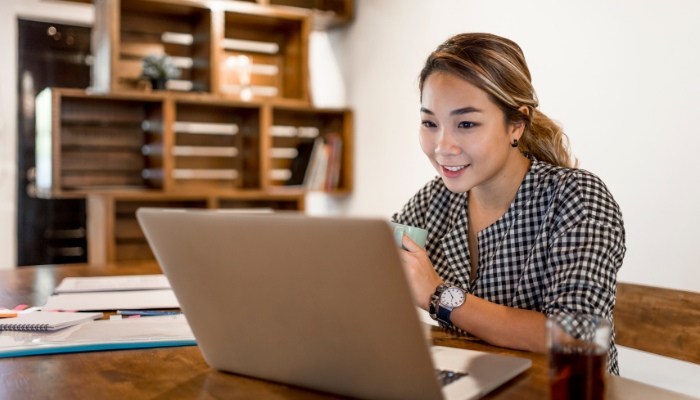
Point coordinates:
pixel 398 236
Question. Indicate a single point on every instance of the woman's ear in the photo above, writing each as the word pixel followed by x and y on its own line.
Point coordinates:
pixel 518 128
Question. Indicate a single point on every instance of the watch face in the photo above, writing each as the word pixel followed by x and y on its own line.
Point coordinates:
pixel 452 297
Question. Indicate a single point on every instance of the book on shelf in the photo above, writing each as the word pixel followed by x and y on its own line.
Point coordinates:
pixel 313 180
pixel 300 163
pixel 323 172
pixel 335 146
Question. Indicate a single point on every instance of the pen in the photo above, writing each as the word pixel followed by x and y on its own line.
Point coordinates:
pixel 147 313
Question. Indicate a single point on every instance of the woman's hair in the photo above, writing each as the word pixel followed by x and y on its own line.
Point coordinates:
pixel 497 66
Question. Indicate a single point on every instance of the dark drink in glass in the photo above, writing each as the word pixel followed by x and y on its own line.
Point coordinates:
pixel 577 373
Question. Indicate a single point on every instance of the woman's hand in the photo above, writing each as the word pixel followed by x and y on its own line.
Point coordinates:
pixel 420 272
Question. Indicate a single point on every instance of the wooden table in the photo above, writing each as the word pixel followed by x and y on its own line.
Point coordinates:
pixel 181 372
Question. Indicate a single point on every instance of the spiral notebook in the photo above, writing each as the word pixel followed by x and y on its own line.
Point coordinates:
pixel 46 321
pixel 128 333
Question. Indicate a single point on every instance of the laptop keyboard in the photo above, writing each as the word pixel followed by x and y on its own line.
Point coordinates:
pixel 446 377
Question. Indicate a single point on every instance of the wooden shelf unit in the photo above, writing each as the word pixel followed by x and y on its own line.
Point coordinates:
pixel 114 234
pixel 325 13
pixel 216 145
pixel 168 142
pixel 299 124
pixel 89 142
pixel 223 49
pixel 211 139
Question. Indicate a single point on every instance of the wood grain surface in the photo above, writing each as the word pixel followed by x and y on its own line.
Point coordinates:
pixel 182 372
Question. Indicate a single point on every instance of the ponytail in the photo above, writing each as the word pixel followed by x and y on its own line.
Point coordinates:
pixel 546 141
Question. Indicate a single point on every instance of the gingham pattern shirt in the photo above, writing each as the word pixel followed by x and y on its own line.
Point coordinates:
pixel 556 250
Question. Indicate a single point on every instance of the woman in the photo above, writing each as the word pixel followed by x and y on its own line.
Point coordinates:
pixel 516 229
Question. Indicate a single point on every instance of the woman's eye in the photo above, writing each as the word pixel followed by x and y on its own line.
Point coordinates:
pixel 428 124
pixel 465 124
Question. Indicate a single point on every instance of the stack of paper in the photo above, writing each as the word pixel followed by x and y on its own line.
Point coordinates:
pixel 112 283
pixel 47 332
pixel 113 293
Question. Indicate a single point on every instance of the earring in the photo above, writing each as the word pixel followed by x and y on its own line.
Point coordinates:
pixel 515 143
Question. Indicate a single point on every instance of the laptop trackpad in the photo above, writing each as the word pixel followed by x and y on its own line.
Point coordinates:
pixel 485 371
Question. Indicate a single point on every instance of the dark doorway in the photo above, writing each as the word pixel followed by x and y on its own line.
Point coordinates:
pixel 49 231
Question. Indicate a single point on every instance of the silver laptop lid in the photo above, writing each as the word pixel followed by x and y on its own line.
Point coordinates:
pixel 321 303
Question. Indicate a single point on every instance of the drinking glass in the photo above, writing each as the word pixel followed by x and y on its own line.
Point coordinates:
pixel 578 348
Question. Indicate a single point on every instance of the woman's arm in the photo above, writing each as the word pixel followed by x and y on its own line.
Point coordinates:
pixel 502 325
pixel 496 324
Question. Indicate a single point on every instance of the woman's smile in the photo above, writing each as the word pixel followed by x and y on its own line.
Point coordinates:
pixel 453 171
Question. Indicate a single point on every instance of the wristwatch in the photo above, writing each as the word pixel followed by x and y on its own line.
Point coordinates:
pixel 446 298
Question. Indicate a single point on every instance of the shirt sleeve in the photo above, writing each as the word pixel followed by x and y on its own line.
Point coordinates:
pixel 586 248
pixel 582 269
pixel 585 256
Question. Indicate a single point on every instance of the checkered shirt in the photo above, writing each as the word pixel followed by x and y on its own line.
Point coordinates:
pixel 556 250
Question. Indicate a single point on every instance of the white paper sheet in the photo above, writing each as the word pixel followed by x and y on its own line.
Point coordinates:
pixel 125 300
pixel 112 283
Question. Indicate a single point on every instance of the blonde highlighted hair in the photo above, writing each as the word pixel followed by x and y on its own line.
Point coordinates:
pixel 497 66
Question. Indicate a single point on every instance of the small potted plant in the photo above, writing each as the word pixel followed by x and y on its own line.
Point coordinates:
pixel 159 68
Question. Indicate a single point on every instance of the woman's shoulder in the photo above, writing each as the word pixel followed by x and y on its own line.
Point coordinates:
pixel 578 191
pixel 576 179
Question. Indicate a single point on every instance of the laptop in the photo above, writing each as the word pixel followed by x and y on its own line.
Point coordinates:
pixel 315 302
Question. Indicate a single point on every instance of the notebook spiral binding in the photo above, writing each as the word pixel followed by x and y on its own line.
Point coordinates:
pixel 24 327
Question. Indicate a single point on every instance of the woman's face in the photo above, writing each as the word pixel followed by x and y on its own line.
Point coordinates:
pixel 464 134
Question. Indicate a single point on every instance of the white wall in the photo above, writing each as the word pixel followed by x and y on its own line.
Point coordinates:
pixel 620 75
pixel 10 11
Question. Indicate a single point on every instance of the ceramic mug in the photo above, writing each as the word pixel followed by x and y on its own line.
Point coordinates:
pixel 416 234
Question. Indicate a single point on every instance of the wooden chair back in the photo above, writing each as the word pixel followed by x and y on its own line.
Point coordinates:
pixel 658 320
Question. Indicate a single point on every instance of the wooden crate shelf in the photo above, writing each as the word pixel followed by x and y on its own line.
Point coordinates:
pixel 91 142
pixel 325 13
pixel 114 234
pixel 175 143
pixel 235 49
pixel 266 54
pixel 294 130
pixel 228 133
pixel 217 145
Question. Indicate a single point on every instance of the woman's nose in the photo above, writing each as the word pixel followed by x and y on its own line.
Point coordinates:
pixel 446 144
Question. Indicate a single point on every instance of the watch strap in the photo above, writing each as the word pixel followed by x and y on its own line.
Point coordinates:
pixel 443 315
pixel 435 299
